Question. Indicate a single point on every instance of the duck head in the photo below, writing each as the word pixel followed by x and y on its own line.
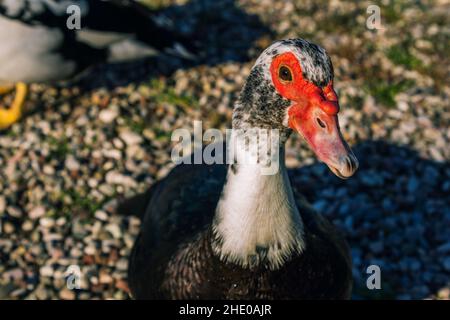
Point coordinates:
pixel 290 88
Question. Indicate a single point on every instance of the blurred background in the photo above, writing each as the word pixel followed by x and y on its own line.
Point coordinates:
pixel 81 148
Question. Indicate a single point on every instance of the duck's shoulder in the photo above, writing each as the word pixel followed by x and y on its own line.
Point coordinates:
pixel 175 216
pixel 178 206
pixel 186 198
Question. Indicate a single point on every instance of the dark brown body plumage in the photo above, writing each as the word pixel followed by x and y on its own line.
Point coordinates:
pixel 172 257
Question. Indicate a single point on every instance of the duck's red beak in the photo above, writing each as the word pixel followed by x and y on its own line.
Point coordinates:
pixel 314 116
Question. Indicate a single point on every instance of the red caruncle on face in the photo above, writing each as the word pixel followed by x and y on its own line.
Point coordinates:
pixel 313 113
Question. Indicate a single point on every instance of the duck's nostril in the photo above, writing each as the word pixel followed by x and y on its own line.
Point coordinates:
pixel 349 164
pixel 354 162
pixel 321 123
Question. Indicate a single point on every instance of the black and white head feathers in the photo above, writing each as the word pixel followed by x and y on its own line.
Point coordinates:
pixel 259 104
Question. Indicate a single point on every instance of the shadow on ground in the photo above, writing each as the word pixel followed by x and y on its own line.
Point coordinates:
pixel 395 213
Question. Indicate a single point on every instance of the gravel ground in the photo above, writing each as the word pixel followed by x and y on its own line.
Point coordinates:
pixel 82 148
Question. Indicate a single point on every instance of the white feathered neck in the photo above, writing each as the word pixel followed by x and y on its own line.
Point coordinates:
pixel 257 221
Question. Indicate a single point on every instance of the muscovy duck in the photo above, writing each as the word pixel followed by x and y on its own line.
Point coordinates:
pixel 36 44
pixel 231 232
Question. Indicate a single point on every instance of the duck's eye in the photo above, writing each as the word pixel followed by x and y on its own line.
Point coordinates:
pixel 285 74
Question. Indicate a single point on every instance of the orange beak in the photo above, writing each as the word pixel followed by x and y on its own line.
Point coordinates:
pixel 315 118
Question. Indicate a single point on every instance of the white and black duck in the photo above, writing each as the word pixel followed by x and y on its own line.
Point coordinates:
pixel 218 232
pixel 37 46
